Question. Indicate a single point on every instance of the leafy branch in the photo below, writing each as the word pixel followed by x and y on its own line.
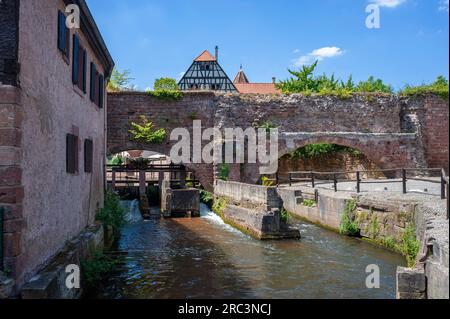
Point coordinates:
pixel 145 133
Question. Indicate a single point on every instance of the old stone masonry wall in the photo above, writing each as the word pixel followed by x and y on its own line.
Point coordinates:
pixel 392 131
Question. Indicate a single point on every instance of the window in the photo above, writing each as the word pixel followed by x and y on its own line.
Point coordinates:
pixel 101 91
pixel 88 155
pixel 63 35
pixel 79 64
pixel 71 154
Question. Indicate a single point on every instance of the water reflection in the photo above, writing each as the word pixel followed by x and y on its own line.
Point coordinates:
pixel 204 258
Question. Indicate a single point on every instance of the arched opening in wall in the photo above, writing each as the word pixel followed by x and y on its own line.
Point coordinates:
pixel 128 171
pixel 329 158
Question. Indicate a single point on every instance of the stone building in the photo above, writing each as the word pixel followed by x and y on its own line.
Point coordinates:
pixel 52 130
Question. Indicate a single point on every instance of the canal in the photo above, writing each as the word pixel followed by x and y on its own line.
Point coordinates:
pixel 205 258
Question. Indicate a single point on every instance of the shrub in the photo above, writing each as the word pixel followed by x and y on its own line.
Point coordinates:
pixel 309 203
pixel 410 245
pixel 316 150
pixel 206 198
pixel 348 226
pixel 284 216
pixel 439 87
pixel 112 214
pixel 219 205
pixel 224 172
pixel 266 182
pixel 95 268
pixel 166 89
pixel 145 133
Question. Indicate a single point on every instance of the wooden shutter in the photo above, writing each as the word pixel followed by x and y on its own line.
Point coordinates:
pixel 62 41
pixel 96 88
pixel 101 91
pixel 88 155
pixel 75 59
pixel 84 70
pixel 71 154
pixel 92 82
pixel 80 67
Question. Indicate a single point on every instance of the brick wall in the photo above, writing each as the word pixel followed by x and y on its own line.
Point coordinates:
pixel 11 189
pixel 435 131
pixel 9 13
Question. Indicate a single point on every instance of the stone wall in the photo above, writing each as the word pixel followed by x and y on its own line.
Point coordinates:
pixel 390 131
pixel 9 21
pixel 11 186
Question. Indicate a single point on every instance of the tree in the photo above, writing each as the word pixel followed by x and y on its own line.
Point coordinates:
pixel 166 84
pixel 374 85
pixel 120 81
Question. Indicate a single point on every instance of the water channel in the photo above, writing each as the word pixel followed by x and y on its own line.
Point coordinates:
pixel 205 258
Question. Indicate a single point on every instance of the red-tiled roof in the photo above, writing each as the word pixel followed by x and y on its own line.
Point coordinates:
pixel 256 88
pixel 205 57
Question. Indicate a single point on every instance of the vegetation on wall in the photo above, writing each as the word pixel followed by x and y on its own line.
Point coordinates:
pixel 120 81
pixel 166 89
pixel 145 132
pixel 316 150
pixel 309 203
pixel 206 198
pixel 112 214
pixel 224 172
pixel 219 205
pixel 266 182
pixel 96 268
pixel 410 245
pixel 439 87
pixel 348 226
pixel 304 81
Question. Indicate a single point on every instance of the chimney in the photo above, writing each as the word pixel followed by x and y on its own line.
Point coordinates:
pixel 217 53
pixel 274 80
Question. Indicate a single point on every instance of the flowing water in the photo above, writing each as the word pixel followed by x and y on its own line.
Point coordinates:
pixel 205 258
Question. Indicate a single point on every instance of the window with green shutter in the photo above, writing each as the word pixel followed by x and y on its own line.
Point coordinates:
pixel 88 155
pixel 75 59
pixel 71 154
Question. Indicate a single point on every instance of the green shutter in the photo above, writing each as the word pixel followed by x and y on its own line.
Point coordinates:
pixel 92 83
pixel 101 89
pixel 84 70
pixel 62 32
pixel 75 65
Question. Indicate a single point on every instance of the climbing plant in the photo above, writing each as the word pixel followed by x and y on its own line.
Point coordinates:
pixel 145 132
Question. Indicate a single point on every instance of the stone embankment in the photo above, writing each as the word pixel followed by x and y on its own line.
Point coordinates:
pixel 255 210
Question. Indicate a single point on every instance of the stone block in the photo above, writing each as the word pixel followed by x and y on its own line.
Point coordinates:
pixel 411 283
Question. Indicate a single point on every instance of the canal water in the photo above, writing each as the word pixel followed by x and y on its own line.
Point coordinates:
pixel 205 258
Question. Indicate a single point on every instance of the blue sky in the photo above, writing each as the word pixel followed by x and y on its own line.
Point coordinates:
pixel 160 38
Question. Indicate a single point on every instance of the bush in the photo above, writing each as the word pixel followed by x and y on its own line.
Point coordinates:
pixel 284 216
pixel 309 203
pixel 439 87
pixel 219 205
pixel 410 245
pixel 112 214
pixel 166 89
pixel 266 182
pixel 95 269
pixel 207 198
pixel 224 172
pixel 348 226
pixel 145 132
pixel 323 149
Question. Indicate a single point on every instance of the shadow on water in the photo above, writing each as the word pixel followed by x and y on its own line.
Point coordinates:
pixel 204 258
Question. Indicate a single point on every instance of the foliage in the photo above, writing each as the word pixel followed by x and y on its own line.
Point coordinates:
pixel 390 243
pixel 96 268
pixel 145 133
pixel 206 198
pixel 439 87
pixel 166 89
pixel 219 205
pixel 120 81
pixel 304 81
pixel 139 163
pixel 266 182
pixel 268 126
pixel 224 172
pixel 112 214
pixel 115 160
pixel 284 216
pixel 348 225
pixel 166 84
pixel 316 150
pixel 410 245
pixel 373 85
pixel 309 203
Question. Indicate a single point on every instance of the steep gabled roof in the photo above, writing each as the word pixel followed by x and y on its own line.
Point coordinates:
pixel 241 77
pixel 205 57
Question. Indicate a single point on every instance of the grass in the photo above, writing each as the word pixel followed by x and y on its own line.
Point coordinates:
pixel 439 87
pixel 96 268
pixel 410 245
pixel 309 203
pixel 219 205
pixel 348 226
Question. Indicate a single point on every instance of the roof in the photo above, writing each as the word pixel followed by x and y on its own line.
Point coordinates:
pixel 241 77
pixel 256 88
pixel 205 57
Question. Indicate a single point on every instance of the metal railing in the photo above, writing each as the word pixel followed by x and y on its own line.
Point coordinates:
pixel 401 176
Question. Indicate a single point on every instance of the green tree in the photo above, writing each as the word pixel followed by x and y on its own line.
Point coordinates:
pixel 120 81
pixel 374 85
pixel 145 132
pixel 166 84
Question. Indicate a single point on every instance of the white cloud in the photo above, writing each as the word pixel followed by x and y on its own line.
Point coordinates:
pixel 443 5
pixel 318 54
pixel 388 3
pixel 296 51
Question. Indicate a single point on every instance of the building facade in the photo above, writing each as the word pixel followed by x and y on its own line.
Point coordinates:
pixel 52 130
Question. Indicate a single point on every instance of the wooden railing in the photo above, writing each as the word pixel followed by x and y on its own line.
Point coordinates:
pixel 401 176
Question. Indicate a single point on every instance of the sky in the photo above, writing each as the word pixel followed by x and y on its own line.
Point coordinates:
pixel 161 38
